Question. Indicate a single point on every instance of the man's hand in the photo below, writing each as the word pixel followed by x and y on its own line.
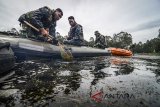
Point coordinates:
pixel 44 32
pixel 49 40
pixel 47 29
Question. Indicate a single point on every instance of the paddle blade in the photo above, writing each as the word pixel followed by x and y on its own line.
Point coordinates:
pixel 65 53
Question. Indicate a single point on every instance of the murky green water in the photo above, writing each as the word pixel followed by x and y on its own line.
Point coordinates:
pixel 103 81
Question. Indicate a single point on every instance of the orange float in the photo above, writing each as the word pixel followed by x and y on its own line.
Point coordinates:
pixel 120 52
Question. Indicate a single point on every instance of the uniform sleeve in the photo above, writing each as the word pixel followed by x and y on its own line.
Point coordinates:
pixel 69 35
pixel 38 15
pixel 52 30
pixel 102 39
pixel 22 18
pixel 79 32
pixel 98 40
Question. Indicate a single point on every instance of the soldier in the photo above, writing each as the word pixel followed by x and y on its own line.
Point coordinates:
pixel 100 40
pixel 75 35
pixel 44 19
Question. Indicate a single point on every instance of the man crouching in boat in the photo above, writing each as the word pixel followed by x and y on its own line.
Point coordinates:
pixel 45 20
pixel 100 40
pixel 75 35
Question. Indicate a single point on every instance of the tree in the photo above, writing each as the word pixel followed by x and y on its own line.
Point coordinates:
pixel 122 40
pixel 91 42
pixel 156 45
pixel 59 37
pixel 159 33
pixel 109 41
pixel 138 47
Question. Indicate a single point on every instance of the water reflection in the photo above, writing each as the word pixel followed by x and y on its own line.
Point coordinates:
pixel 33 77
pixel 123 66
pixel 44 83
pixel 99 64
pixel 152 64
pixel 48 83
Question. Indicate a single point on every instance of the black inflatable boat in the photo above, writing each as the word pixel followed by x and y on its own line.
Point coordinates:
pixel 7 59
pixel 25 48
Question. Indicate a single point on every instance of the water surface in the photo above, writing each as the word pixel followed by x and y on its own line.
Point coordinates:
pixel 91 82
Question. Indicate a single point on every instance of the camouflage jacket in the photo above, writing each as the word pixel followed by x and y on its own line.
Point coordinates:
pixel 40 18
pixel 76 33
pixel 100 40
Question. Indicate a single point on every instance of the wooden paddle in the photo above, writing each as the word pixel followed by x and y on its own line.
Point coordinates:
pixel 65 53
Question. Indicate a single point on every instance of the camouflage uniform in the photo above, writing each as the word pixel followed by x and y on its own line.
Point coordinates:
pixel 100 41
pixel 40 18
pixel 75 36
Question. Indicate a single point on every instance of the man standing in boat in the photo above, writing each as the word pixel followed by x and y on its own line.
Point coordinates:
pixel 45 20
pixel 100 40
pixel 75 35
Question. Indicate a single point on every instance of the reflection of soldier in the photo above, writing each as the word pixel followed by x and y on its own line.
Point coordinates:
pixel 124 66
pixel 100 40
pixel 74 81
pixel 98 74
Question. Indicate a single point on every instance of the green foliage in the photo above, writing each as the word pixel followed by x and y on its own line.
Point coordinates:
pixel 122 40
pixel 159 34
pixel 91 42
pixel 151 46
pixel 60 38
pixel 109 41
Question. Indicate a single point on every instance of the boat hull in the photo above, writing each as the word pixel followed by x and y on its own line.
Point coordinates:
pixel 7 59
pixel 28 49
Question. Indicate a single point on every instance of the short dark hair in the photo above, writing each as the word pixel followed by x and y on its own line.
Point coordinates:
pixel 96 32
pixel 59 10
pixel 70 17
